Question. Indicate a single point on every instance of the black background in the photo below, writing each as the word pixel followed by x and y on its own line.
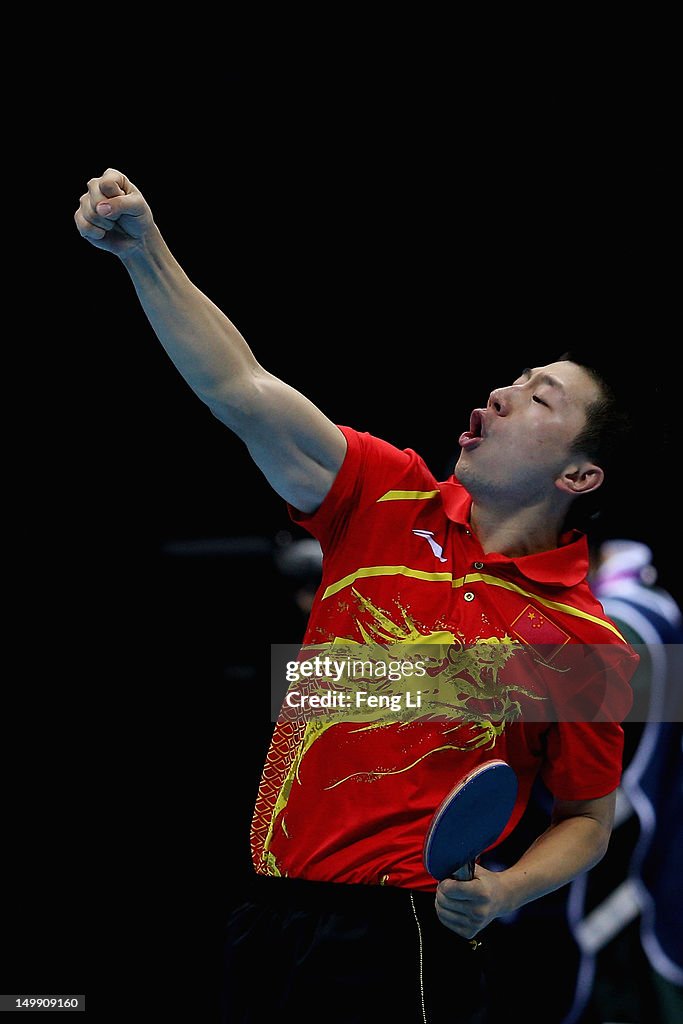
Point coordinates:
pixel 393 245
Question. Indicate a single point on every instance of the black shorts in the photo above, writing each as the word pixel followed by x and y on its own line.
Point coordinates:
pixel 346 954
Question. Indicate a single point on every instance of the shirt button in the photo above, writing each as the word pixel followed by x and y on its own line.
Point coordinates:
pixel 478 565
pixel 468 533
pixel 469 596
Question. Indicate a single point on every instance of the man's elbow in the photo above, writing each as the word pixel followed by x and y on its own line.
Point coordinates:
pixel 235 404
pixel 596 841
pixel 604 833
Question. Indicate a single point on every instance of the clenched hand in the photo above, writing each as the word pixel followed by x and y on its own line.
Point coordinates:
pixel 113 214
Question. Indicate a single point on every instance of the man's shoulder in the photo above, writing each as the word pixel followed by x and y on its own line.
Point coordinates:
pixel 373 456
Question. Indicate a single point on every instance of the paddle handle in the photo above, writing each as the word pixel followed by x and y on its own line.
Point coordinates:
pixel 465 873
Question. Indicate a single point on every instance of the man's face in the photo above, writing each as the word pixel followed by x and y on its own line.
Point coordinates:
pixel 518 446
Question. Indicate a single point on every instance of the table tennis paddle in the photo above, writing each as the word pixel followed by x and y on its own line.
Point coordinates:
pixel 469 819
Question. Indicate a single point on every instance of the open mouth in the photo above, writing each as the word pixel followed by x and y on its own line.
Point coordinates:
pixel 477 431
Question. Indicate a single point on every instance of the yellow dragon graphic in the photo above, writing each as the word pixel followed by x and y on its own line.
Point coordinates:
pixel 461 685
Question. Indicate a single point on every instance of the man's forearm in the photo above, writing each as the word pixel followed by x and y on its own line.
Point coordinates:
pixel 565 850
pixel 204 345
pixel 576 840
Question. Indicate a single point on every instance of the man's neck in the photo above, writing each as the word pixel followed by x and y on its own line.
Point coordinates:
pixel 524 531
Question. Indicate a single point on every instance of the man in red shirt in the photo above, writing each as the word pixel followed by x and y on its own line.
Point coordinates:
pixel 465 574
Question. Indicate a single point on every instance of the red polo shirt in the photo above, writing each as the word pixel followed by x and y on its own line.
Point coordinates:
pixel 345 799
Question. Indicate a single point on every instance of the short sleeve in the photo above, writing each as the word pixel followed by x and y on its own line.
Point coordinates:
pixel 585 746
pixel 583 759
pixel 371 468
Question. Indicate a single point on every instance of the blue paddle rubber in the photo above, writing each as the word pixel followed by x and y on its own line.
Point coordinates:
pixel 469 820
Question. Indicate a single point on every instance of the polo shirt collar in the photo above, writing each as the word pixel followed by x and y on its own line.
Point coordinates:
pixel 565 566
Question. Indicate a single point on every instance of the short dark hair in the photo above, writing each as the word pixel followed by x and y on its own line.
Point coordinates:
pixel 607 423
pixel 603 439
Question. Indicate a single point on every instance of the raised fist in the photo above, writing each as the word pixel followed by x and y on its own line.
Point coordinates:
pixel 113 214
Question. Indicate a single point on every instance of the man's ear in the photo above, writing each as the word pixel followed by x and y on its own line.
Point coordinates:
pixel 580 478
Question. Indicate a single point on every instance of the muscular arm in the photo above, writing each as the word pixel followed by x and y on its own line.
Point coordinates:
pixel 298 448
pixel 575 841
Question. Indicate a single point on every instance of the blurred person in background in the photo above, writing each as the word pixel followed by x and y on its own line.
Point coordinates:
pixel 626 913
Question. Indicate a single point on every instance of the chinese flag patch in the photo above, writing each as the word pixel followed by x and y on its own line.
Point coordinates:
pixel 535 629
